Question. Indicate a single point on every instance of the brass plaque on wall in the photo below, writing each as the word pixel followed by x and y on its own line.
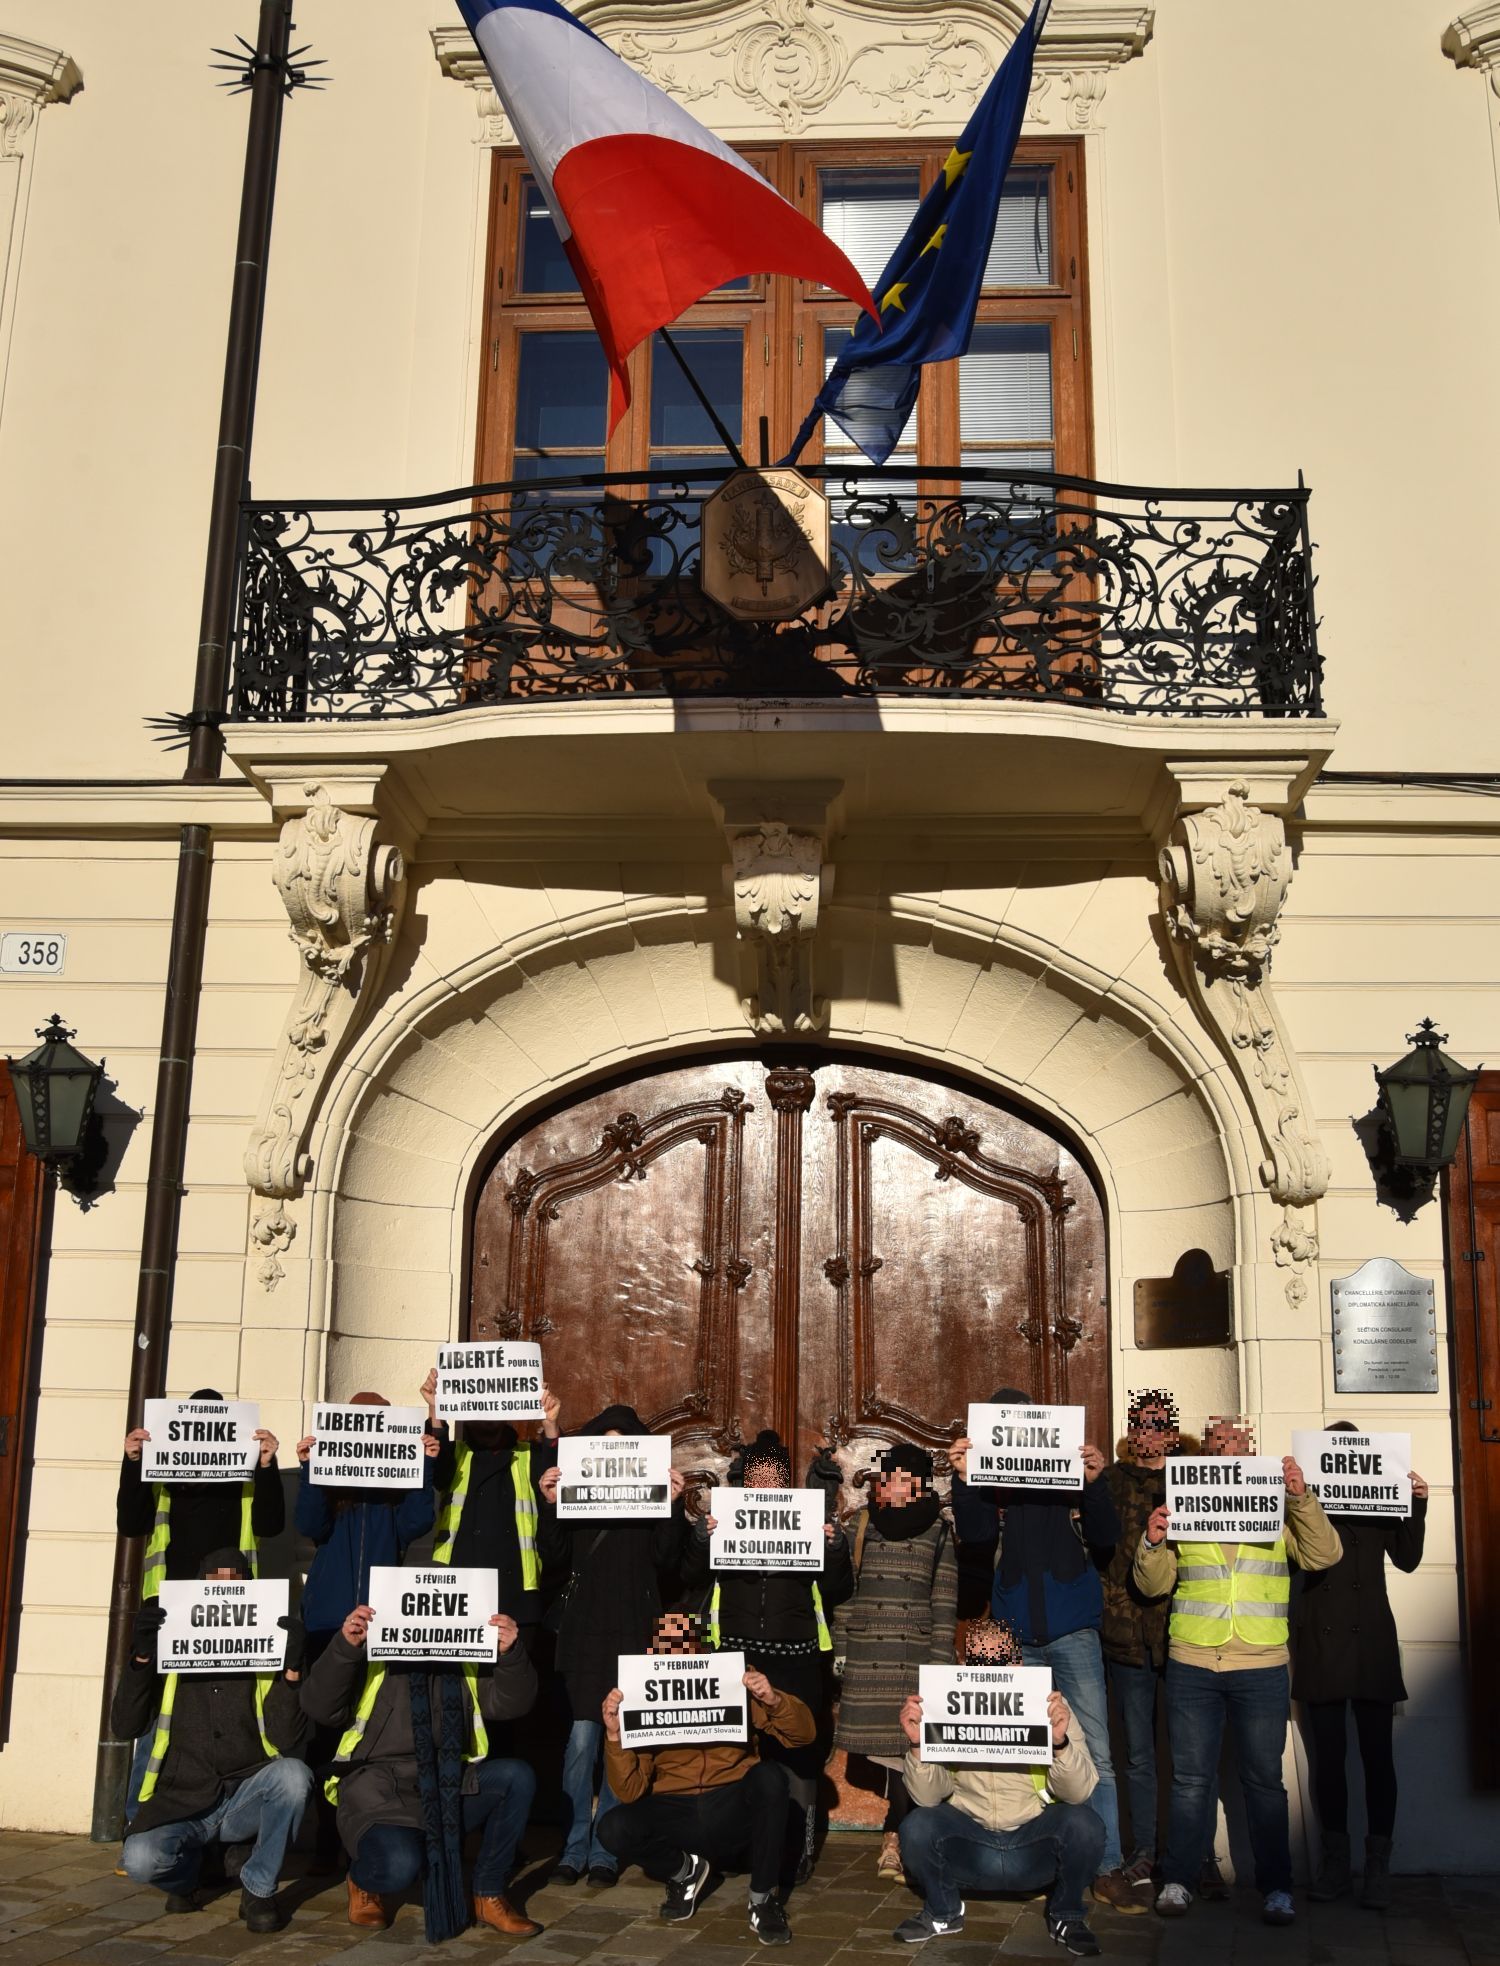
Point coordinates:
pixel 764 544
pixel 1384 1330
pixel 1192 1306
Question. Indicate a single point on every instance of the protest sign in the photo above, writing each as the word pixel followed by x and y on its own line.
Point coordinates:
pixel 1026 1446
pixel 494 1381
pixel 222 1626
pixel 1357 1474
pixel 375 1444
pixel 199 1440
pixel 433 1615
pixel 985 1713
pixel 621 1474
pixel 1237 1497
pixel 683 1700
pixel 767 1529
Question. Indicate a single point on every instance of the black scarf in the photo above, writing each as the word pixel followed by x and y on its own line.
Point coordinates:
pixel 900 1525
pixel 440 1774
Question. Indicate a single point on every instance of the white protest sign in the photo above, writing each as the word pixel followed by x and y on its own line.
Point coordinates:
pixel 1239 1498
pixel 375 1444
pixel 431 1615
pixel 981 1714
pixel 199 1440
pixel 613 1474
pixel 1026 1446
pixel 1357 1474
pixel 222 1627
pixel 495 1381
pixel 683 1700
pixel 767 1529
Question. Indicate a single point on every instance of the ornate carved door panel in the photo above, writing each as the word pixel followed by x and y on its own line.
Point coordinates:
pixel 845 1250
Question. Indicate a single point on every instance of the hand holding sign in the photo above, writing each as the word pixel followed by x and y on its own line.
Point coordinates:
pixel 268 1445
pixel 1061 1716
pixel 357 1624
pixel 760 1688
pixel 609 1713
pixel 1156 1526
pixel 1292 1475
pixel 911 1718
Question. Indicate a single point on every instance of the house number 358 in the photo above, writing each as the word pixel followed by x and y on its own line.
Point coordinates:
pixel 32 952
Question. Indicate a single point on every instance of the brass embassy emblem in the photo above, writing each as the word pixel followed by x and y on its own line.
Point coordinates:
pixel 765 545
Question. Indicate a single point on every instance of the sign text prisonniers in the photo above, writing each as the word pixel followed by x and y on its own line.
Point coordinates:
pixel 1237 1496
pixel 495 1381
pixel 367 1444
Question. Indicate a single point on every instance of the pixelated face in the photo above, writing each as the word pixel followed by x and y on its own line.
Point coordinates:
pixel 1151 1423
pixel 767 1472
pixel 991 1642
pixel 222 1576
pixel 677 1631
pixel 896 1486
pixel 1227 1433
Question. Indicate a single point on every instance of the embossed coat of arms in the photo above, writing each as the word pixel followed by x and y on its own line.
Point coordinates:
pixel 765 544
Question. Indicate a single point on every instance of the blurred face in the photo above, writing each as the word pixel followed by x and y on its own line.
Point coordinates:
pixel 895 1487
pixel 765 1474
pixel 489 1435
pixel 1152 1432
pixel 1228 1436
pixel 222 1576
pixel 988 1642
pixel 676 1631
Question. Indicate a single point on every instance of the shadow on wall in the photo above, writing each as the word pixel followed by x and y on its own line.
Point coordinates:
pixel 93 1175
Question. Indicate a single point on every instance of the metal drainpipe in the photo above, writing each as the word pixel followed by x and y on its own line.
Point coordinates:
pixel 174 1077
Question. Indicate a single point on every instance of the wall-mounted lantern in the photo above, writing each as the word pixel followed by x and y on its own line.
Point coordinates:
pixel 55 1091
pixel 1424 1099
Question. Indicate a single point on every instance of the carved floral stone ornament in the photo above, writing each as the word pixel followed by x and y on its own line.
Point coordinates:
pixel 779 878
pixel 852 67
pixel 343 894
pixel 765 553
pixel 31 76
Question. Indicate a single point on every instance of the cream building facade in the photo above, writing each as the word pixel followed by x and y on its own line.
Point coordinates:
pixel 1293 261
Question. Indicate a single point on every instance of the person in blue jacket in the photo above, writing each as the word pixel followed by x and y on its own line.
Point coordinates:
pixel 1053 1542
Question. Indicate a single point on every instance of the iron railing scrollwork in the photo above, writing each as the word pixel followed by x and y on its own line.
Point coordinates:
pixel 968 583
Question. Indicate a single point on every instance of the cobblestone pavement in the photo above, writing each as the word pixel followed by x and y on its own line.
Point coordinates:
pixel 61 1900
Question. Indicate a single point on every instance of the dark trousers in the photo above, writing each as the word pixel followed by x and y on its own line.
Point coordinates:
pixel 744 1820
pixel 1256 1704
pixel 1328 1734
pixel 1135 1689
pixel 390 1856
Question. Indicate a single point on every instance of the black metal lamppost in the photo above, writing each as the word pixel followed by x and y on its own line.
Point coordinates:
pixel 55 1091
pixel 1424 1099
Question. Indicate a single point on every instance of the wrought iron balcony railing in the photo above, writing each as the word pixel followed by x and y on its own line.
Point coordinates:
pixel 968 583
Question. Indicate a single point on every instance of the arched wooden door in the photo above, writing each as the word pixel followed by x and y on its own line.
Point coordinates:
pixel 845 1250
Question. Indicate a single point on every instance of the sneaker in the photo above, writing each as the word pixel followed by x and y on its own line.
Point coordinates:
pixel 260 1914
pixel 1112 1888
pixel 682 1896
pixel 917 1931
pixel 1278 1909
pixel 1138 1875
pixel 1074 1936
pixel 768 1922
pixel 1172 1901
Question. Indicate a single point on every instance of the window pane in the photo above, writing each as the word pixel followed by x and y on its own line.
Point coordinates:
pixel 1021 255
pixel 544 264
pixel 1005 385
pixel 574 464
pixel 716 357
pixel 562 392
pixel 867 211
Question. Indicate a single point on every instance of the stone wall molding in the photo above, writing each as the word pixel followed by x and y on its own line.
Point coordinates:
pixel 778 877
pixel 31 76
pixel 1473 41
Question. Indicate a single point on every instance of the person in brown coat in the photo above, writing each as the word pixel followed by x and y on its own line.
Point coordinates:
pixel 683 1812
pixel 1346 1654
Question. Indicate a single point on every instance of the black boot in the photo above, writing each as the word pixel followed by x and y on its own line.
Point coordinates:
pixel 260 1914
pixel 1334 1874
pixel 1375 1894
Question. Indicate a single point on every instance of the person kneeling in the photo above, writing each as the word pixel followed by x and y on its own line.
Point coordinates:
pixel 411 1779
pixel 223 1765
pixel 682 1812
pixel 1001 1826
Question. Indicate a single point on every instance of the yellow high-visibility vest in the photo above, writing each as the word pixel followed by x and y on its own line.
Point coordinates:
pixel 161 1739
pixel 1248 1599
pixel 825 1637
pixel 451 1510
pixel 154 1574
pixel 354 1733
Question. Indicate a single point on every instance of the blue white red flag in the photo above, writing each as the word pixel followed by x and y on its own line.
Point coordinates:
pixel 652 209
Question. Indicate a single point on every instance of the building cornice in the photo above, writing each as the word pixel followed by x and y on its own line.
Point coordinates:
pixel 1473 41
pixel 31 76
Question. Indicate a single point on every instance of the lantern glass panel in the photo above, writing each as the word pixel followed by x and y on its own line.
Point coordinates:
pixel 1407 1103
pixel 72 1096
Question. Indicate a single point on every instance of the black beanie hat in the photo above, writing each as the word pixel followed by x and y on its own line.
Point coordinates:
pixel 768 1450
pixel 905 1454
pixel 616 1419
pixel 234 1560
pixel 1010 1396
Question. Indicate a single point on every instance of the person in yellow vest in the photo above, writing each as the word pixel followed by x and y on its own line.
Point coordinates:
pixel 1000 1826
pixel 184 1520
pixel 411 1778
pixel 1227 1660
pixel 224 1764
pixel 486 1511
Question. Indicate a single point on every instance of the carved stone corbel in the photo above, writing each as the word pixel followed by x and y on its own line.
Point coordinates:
pixel 343 895
pixel 1225 871
pixel 778 877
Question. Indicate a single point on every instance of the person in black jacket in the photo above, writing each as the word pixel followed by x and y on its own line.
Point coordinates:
pixel 201 1515
pixel 224 1764
pixel 608 1605
pixel 779 1620
pixel 1346 1654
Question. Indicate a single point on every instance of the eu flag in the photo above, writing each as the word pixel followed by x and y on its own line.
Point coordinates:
pixel 929 293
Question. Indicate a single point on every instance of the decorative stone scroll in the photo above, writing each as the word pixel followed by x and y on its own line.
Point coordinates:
pixel 851 67
pixel 778 877
pixel 343 895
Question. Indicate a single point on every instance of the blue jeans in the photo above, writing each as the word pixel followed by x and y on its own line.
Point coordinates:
pixel 390 1856
pixel 1135 1689
pixel 1078 1674
pixel 945 1850
pixel 1257 1703
pixel 266 1807
pixel 582 1849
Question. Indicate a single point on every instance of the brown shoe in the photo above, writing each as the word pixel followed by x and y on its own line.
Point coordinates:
pixel 365 1908
pixel 1112 1888
pixel 888 1863
pixel 501 1916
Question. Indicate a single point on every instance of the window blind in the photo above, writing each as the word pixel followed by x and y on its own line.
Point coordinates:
pixel 866 212
pixel 1005 385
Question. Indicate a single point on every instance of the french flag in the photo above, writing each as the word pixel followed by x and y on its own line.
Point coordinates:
pixel 652 209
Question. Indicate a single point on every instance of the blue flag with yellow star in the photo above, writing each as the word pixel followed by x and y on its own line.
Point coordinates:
pixel 929 293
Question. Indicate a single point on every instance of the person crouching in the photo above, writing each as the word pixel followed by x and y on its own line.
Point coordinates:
pixel 683 1812
pixel 223 1765
pixel 411 1778
pixel 1001 1826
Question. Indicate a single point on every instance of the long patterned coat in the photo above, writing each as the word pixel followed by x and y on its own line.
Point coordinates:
pixel 900 1617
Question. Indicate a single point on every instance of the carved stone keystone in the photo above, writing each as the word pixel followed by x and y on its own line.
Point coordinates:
pixel 778 877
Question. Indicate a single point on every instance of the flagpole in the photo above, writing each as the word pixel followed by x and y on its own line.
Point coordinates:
pixel 708 409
